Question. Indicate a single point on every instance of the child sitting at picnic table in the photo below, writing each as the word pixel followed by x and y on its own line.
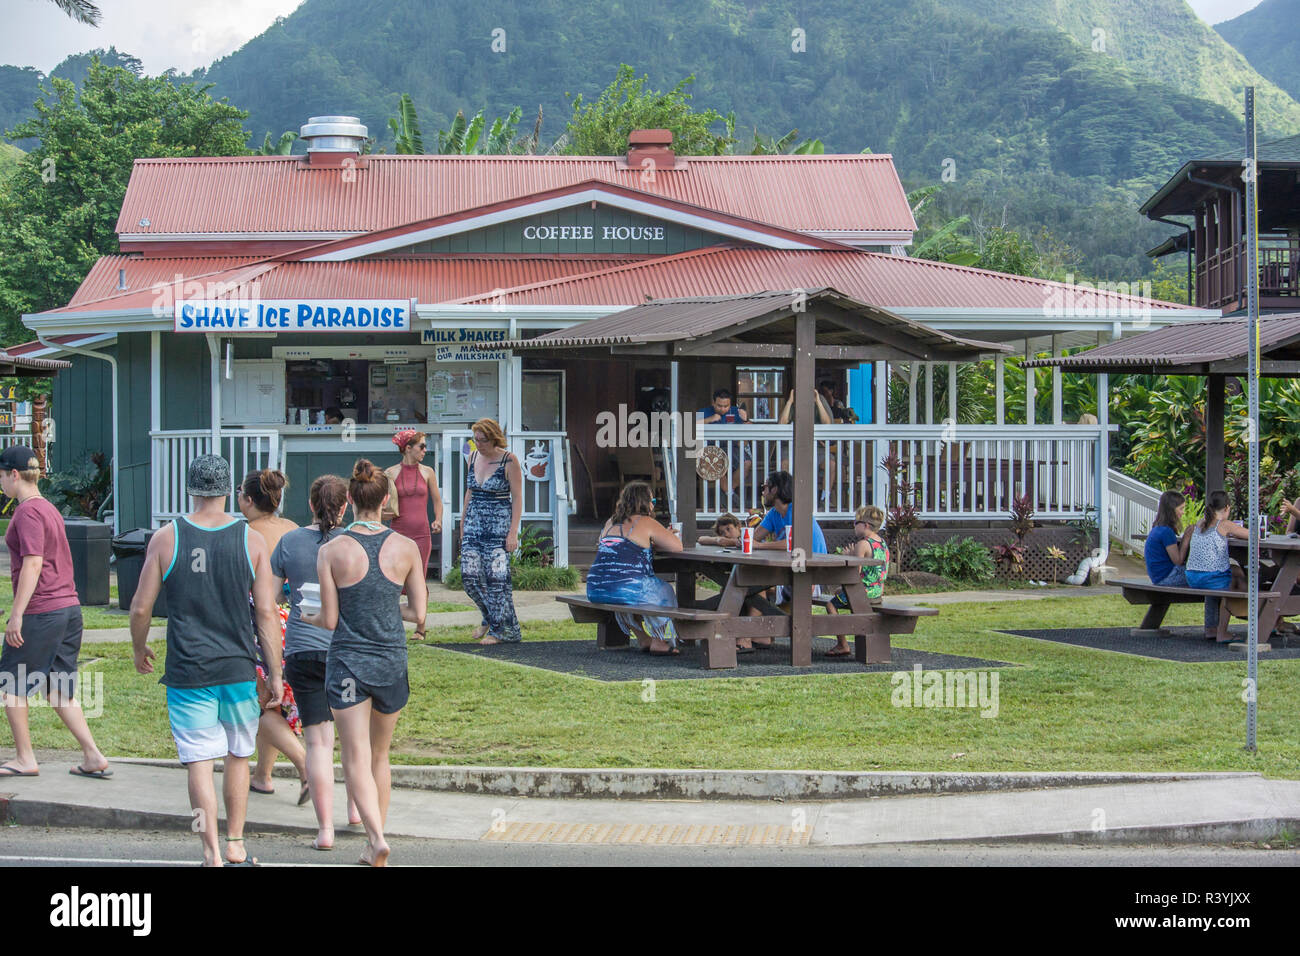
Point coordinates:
pixel 1208 565
pixel 868 544
pixel 1165 552
pixel 726 533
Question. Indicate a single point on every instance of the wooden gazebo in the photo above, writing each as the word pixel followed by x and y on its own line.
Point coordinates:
pixel 819 327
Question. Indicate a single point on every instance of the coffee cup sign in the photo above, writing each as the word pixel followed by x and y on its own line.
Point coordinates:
pixel 537 463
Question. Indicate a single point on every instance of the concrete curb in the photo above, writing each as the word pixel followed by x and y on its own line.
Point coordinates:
pixel 49 813
pixel 665 784
pixel 43 813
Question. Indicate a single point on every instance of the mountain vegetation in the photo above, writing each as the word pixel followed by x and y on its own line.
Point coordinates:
pixel 1269 37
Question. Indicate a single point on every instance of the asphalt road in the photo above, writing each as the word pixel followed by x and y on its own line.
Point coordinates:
pixel 29 846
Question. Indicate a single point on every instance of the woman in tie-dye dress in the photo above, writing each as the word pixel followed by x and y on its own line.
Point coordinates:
pixel 623 570
pixel 494 503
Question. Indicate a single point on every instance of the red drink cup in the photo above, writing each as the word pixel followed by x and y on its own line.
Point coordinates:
pixel 789 537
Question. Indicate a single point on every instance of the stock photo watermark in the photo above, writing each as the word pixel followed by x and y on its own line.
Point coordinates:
pixel 946 690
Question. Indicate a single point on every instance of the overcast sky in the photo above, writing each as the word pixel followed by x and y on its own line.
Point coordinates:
pixel 190 33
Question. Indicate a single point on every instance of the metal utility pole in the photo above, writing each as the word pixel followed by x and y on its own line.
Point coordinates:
pixel 1249 173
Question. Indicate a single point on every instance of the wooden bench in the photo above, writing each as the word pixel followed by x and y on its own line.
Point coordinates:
pixel 896 618
pixel 692 624
pixel 1141 591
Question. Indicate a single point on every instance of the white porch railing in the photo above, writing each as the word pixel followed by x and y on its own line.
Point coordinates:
pixel 19 438
pixel 546 489
pixel 960 472
pixel 246 450
pixel 1133 507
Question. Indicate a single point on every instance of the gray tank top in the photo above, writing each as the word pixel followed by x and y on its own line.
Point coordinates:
pixel 370 639
pixel 209 632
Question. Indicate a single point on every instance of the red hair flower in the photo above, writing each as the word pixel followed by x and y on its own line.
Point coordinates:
pixel 404 438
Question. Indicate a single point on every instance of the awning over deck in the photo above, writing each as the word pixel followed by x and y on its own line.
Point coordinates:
pixel 1199 348
pixel 760 325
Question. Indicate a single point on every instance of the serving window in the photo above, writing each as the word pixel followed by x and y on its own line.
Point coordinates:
pixel 366 391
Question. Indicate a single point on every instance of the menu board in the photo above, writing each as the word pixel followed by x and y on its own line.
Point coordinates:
pixel 463 392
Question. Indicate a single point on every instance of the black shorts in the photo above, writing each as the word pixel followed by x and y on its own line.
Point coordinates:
pixel 305 673
pixel 48 657
pixel 344 689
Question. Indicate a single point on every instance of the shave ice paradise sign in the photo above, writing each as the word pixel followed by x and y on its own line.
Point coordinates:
pixel 294 315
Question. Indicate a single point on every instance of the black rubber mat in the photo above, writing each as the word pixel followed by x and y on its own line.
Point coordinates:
pixel 1186 644
pixel 584 659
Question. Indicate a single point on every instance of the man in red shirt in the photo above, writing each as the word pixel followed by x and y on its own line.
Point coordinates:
pixel 43 635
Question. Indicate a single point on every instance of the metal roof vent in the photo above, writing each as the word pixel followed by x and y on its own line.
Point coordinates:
pixel 334 134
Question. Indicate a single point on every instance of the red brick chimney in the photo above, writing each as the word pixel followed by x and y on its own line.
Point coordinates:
pixel 652 144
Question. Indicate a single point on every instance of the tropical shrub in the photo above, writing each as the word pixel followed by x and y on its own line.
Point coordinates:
pixel 958 559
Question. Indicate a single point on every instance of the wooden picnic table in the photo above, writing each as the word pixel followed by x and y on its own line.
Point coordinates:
pixel 1284 550
pixel 741 574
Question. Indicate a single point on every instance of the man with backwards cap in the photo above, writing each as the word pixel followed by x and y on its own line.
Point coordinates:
pixel 43 635
pixel 206 563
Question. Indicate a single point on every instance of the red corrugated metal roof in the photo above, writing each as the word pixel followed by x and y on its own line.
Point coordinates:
pixel 883 280
pixel 432 279
pixel 258 194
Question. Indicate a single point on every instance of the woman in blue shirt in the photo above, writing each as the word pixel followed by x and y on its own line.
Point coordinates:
pixel 1165 552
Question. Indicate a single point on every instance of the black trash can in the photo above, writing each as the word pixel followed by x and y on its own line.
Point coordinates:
pixel 128 552
pixel 89 542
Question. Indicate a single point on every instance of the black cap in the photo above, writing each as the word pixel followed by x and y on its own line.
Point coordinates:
pixel 18 458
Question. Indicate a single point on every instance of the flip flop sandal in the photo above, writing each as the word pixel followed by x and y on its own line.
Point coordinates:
pixel 744 650
pixel 671 652
pixel 8 771
pixel 305 794
pixel 97 774
pixel 265 793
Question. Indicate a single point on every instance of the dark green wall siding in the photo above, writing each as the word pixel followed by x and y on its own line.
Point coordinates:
pixel 82 407
pixel 186 388
pixel 133 478
pixel 509 236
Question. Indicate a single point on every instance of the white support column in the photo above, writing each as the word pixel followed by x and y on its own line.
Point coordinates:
pixel 1102 493
pixel 1056 382
pixel 214 373
pixel 929 393
pixel 999 391
pixel 952 392
pixel 912 368
pixel 881 379
pixel 1031 389
pixel 155 381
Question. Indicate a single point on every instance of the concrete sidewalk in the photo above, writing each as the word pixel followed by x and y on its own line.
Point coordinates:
pixel 1202 809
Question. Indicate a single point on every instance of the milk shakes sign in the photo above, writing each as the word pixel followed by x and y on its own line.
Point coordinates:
pixel 458 345
pixel 294 315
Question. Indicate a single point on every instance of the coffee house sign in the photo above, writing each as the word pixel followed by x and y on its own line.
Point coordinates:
pixel 606 233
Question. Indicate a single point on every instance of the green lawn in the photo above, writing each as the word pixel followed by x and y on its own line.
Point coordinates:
pixel 1062 708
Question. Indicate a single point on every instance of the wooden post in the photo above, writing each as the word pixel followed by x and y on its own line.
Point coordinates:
pixel 804 460
pixel 1214 411
pixel 687 477
pixel 38 431
pixel 881 410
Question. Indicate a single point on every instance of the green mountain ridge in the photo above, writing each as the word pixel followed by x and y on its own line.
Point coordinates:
pixel 1164 41
pixel 1269 37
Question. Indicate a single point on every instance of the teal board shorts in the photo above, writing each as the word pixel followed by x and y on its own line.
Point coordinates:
pixel 210 722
